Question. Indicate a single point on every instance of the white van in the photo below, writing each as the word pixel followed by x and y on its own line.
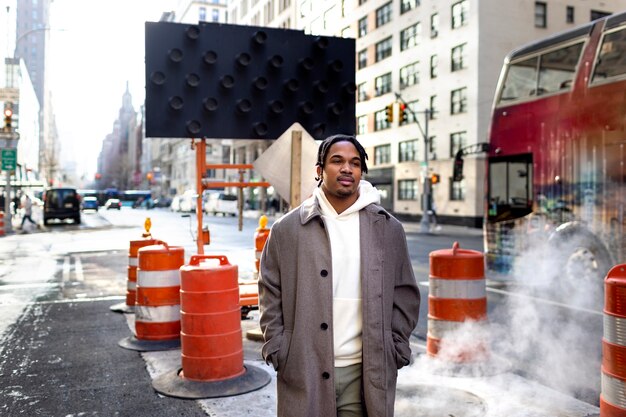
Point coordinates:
pixel 188 201
pixel 226 204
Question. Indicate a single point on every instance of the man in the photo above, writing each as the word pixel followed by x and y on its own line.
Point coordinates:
pixel 337 295
pixel 27 205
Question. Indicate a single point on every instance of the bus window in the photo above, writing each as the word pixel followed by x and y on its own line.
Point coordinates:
pixel 557 69
pixel 610 60
pixel 521 80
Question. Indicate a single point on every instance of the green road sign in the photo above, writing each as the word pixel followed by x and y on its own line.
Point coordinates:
pixel 9 159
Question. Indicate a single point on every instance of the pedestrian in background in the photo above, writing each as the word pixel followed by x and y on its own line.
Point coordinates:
pixel 27 206
pixel 337 295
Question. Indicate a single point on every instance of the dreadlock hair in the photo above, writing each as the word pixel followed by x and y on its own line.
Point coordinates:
pixel 322 152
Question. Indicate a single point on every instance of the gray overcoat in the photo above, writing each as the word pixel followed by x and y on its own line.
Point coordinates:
pixel 296 299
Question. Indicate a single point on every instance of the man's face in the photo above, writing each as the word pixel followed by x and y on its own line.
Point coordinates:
pixel 342 171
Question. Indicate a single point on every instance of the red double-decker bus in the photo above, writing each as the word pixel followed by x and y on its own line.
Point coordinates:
pixel 557 152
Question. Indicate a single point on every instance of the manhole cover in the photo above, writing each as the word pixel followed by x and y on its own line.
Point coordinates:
pixel 437 401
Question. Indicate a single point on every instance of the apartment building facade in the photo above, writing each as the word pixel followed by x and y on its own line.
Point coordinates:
pixel 443 59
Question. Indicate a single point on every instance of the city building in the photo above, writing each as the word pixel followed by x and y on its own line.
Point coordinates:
pixel 443 60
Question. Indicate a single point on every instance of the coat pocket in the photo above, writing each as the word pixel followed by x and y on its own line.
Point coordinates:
pixel 283 351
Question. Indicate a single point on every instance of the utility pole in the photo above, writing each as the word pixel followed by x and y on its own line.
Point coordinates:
pixel 426 182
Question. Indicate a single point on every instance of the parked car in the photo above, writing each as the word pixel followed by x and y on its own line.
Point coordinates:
pixel 113 203
pixel 89 203
pixel 61 203
pixel 188 201
pixel 162 202
pixel 225 204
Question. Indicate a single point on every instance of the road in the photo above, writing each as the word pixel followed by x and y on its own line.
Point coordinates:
pixel 43 272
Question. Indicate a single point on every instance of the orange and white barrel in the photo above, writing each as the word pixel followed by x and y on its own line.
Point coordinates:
pixel 457 295
pixel 133 262
pixel 211 337
pixel 157 308
pixel 1 223
pixel 613 392
pixel 260 237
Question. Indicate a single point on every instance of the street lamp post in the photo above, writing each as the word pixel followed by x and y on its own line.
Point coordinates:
pixel 426 183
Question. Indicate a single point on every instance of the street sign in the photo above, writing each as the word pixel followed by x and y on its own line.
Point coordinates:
pixel 9 159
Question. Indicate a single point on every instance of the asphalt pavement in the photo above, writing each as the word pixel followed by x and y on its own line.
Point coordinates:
pixel 61 357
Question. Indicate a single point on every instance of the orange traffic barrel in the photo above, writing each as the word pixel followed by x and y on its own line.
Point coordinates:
pixel 211 336
pixel 457 294
pixel 1 223
pixel 260 237
pixel 131 283
pixel 613 377
pixel 157 309
pixel 211 341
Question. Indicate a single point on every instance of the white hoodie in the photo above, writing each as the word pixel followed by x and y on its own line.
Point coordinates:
pixel 343 231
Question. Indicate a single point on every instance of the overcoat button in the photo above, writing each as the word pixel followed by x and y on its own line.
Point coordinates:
pixel 324 326
pixel 324 273
pixel 325 375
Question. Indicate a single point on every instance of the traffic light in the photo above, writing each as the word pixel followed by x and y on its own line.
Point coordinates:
pixel 434 179
pixel 8 116
pixel 402 116
pixel 389 113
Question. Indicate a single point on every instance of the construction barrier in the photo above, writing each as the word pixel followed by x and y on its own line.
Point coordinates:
pixel 211 336
pixel 1 223
pixel 612 396
pixel 131 283
pixel 211 344
pixel 157 309
pixel 260 237
pixel 457 293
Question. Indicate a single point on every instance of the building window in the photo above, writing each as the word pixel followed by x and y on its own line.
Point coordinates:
pixel 407 151
pixel 458 101
pixel 569 14
pixel 409 37
pixel 434 61
pixel 382 154
pixel 380 120
pixel 458 58
pixel 409 75
pixel 202 14
pixel 361 125
pixel 362 2
pixel 362 27
pixel 458 140
pixel 215 15
pixel 457 190
pixel 383 49
pixel 407 190
pixel 406 5
pixel 383 84
pixel 363 58
pixel 460 14
pixel 383 14
pixel 432 148
pixel 433 108
pixel 597 14
pixel 541 14
pixel 361 92
pixel 434 25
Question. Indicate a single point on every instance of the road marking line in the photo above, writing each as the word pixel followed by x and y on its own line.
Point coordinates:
pixel 78 269
pixel 68 301
pixel 66 269
pixel 536 299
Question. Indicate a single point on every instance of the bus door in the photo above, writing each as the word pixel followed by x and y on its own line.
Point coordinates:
pixel 510 187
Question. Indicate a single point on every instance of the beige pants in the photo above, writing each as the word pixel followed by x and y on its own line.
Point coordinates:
pixel 348 391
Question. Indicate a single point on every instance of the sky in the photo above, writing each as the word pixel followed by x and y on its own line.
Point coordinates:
pixel 96 47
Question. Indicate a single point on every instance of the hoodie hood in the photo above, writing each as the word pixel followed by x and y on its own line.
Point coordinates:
pixel 368 194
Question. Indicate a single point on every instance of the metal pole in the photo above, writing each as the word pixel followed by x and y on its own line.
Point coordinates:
pixel 200 163
pixel 426 186
pixel 8 225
